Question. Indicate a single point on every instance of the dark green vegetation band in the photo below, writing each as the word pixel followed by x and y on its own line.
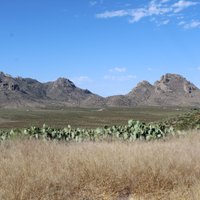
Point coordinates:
pixel 132 131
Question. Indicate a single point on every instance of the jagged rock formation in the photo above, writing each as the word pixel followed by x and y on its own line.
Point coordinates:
pixel 26 92
pixel 173 89
pixel 141 92
pixel 170 90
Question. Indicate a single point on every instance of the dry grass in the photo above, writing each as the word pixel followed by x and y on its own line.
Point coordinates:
pixel 36 170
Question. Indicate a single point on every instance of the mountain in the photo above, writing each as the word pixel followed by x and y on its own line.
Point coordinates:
pixel 64 91
pixel 17 92
pixel 170 90
pixel 26 92
pixel 173 89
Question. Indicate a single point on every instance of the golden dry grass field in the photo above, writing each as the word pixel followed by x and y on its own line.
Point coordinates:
pixel 37 170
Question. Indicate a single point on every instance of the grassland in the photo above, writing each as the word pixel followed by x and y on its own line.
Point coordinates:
pixel 82 117
pixel 168 170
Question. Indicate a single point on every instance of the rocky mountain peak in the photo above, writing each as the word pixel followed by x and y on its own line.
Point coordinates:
pixel 167 78
pixel 8 83
pixel 2 74
pixel 143 84
pixel 63 82
pixel 174 83
pixel 142 88
pixel 170 90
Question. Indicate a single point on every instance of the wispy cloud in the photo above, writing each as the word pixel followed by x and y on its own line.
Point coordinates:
pixel 119 78
pixel 149 69
pixel 118 69
pixel 119 74
pixel 181 5
pixel 81 79
pixel 165 1
pixel 163 9
pixel 165 22
pixel 190 25
pixel 93 3
pixel 111 14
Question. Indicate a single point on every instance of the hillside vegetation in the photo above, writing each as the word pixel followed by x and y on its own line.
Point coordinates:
pixel 132 131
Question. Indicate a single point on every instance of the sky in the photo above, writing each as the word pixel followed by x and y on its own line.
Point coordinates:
pixel 106 46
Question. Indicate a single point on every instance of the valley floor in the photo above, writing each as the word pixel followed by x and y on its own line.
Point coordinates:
pixel 168 170
pixel 83 117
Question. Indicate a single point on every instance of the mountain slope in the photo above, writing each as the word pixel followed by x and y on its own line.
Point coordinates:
pixel 170 90
pixel 174 90
pixel 26 92
pixel 17 92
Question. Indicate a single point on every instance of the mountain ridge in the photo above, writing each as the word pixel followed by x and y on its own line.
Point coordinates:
pixel 170 90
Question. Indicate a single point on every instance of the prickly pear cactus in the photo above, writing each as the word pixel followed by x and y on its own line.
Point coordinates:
pixel 134 130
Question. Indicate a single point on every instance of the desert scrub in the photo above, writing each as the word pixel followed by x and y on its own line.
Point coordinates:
pixel 46 170
pixel 186 121
pixel 134 130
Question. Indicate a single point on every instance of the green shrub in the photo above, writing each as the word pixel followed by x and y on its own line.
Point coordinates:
pixel 132 131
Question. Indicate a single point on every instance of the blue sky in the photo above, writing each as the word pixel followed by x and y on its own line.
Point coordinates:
pixel 107 46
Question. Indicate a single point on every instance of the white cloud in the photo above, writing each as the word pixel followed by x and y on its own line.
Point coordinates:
pixel 118 69
pixel 181 5
pixel 122 69
pixel 81 79
pixel 149 69
pixel 120 78
pixel 153 9
pixel 111 14
pixel 181 23
pixel 198 68
pixel 165 22
pixel 191 25
pixel 164 1
pixel 93 3
pixel 137 15
pixel 162 9
pixel 119 74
